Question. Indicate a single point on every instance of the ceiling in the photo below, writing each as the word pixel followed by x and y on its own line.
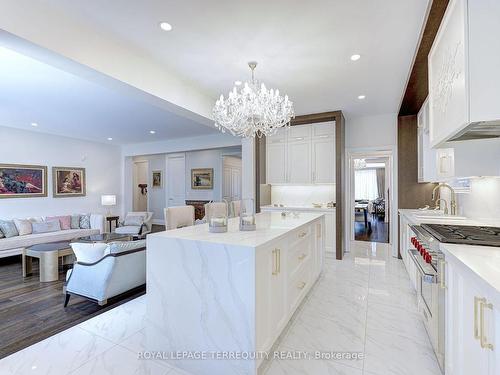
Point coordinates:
pixel 65 104
pixel 303 48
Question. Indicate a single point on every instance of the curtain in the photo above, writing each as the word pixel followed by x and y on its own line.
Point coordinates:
pixel 381 182
pixel 365 184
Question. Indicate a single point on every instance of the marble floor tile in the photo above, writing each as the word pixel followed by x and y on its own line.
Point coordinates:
pixel 120 361
pixel 57 355
pixel 119 323
pixel 388 353
pixel 310 367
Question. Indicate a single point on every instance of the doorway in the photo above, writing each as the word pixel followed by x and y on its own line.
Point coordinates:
pixel 140 186
pixel 176 180
pixel 370 196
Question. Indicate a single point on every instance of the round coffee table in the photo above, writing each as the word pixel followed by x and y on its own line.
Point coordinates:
pixel 48 255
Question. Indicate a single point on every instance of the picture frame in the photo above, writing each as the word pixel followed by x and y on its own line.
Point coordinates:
pixel 202 179
pixel 68 182
pixel 157 179
pixel 23 181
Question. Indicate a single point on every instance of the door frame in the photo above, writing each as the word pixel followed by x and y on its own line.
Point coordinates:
pixel 356 153
pixel 148 177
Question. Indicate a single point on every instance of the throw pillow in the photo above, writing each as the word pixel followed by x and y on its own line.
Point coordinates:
pixel 8 228
pixel 134 220
pixel 47 226
pixel 23 226
pixel 64 221
pixel 85 221
pixel 75 221
pixel 88 252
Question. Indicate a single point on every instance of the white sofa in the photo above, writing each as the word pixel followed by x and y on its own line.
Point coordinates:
pixel 15 245
pixel 102 271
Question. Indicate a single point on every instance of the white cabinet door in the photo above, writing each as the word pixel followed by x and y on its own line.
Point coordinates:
pixel 299 162
pixel 276 162
pixel 330 232
pixel 278 311
pixel 323 160
pixel 448 82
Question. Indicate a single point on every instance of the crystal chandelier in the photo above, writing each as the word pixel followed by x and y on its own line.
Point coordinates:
pixel 253 110
pixel 359 163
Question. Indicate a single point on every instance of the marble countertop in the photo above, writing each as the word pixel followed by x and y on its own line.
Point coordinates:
pixel 270 226
pixel 308 208
pixel 479 262
pixel 412 217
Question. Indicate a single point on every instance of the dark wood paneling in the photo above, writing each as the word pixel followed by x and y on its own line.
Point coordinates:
pixel 417 88
pixel 411 194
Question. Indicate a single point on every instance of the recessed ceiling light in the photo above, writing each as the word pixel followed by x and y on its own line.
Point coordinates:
pixel 237 83
pixel 361 97
pixel 34 124
pixel 165 26
pixel 152 132
pixel 355 57
pixel 110 139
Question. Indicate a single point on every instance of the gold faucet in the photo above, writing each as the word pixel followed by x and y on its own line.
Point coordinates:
pixel 453 201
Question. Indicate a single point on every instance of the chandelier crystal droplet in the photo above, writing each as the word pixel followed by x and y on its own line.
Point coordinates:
pixel 253 110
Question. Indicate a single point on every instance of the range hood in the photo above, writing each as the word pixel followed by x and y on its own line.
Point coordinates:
pixel 478 130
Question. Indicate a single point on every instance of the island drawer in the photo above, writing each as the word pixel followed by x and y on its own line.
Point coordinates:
pixel 298 255
pixel 298 285
pixel 301 234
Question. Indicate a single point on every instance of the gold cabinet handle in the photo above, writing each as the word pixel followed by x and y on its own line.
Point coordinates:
pixel 301 285
pixel 302 235
pixel 477 300
pixel 482 337
pixel 275 262
pixel 442 283
pixel 279 260
pixel 302 257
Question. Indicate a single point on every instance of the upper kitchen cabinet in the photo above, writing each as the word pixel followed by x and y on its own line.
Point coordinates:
pixel 427 158
pixel 463 73
pixel 303 154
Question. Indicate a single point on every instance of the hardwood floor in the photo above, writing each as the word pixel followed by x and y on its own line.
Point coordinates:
pixel 31 311
pixel 377 231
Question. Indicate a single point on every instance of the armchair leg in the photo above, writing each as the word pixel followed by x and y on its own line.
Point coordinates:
pixel 66 300
pixel 102 303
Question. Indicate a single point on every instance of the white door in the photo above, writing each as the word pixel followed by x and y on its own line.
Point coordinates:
pixel 299 162
pixel 176 175
pixel 276 163
pixel 324 161
pixel 236 184
pixel 226 184
pixel 140 181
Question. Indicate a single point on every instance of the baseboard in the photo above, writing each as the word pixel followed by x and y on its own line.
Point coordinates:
pixel 158 222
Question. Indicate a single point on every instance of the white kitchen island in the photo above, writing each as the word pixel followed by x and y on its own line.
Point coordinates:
pixel 226 296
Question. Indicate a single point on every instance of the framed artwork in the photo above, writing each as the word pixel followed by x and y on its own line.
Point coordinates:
pixel 202 178
pixel 157 179
pixel 68 182
pixel 23 181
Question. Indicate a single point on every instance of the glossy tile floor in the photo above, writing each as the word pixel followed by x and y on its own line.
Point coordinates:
pixel 362 304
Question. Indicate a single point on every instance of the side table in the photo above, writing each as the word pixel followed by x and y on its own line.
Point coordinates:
pixel 110 220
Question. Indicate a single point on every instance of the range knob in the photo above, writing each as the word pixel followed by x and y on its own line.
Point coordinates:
pixel 413 240
pixel 428 258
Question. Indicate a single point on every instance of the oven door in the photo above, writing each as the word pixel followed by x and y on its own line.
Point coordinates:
pixel 426 284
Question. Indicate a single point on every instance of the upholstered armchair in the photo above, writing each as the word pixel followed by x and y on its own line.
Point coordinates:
pixel 136 224
pixel 102 271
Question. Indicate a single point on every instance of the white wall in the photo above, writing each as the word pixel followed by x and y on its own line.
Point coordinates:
pixel 372 131
pixel 204 159
pixel 103 165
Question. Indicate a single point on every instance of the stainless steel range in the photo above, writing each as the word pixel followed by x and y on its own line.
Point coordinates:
pixel 429 265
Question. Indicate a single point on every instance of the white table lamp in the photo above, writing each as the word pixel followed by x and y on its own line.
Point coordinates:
pixel 108 200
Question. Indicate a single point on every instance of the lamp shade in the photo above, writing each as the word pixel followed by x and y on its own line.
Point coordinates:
pixel 108 200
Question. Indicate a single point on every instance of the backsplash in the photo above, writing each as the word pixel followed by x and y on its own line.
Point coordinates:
pixel 302 195
pixel 483 201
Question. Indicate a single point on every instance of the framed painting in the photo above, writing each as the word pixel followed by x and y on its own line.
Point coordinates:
pixel 202 178
pixel 68 182
pixel 157 179
pixel 23 181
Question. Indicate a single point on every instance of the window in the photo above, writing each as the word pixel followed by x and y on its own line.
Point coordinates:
pixel 365 184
